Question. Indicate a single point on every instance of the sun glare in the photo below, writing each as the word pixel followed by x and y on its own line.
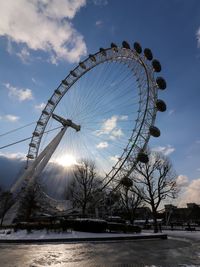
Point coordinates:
pixel 67 160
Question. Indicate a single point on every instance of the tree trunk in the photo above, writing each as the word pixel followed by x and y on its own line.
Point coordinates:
pixel 2 219
pixel 131 219
pixel 155 223
pixel 83 209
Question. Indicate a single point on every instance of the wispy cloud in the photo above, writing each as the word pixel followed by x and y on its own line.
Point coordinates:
pixel 24 55
pixel 123 117
pixel 10 49
pixel 198 37
pixel 100 2
pixel 17 155
pixel 116 133
pixel 33 80
pixel 102 145
pixel 99 23
pixel 19 93
pixel 40 106
pixel 109 127
pixel 9 117
pixel 171 111
pixel 45 26
pixel 114 159
pixel 166 150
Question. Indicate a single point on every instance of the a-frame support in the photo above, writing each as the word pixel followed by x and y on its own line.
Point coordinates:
pixel 37 166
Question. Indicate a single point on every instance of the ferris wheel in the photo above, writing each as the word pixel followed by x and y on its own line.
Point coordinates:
pixel 103 110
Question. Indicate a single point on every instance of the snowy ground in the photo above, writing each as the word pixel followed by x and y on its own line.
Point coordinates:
pixel 39 235
pixel 186 235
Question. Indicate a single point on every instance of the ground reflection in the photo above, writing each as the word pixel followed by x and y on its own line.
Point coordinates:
pixel 133 253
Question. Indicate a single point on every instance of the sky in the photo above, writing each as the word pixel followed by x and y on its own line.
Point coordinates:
pixel 41 41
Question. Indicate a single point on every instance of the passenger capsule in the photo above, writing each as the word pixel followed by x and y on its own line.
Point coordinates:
pixel 29 156
pixel 57 92
pixel 114 47
pixel 126 45
pixel 51 102
pixel 160 105
pixel 73 73
pixel 41 123
pixel 127 182
pixel 142 157
pixel 102 51
pixel 92 57
pixel 148 54
pixel 137 47
pixel 36 134
pixel 82 65
pixel 161 83
pixel 45 112
pixel 156 65
pixel 65 82
pixel 154 131
pixel 32 145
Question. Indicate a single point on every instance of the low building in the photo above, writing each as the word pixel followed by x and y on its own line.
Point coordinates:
pixel 189 214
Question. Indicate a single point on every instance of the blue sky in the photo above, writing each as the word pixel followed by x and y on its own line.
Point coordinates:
pixel 41 41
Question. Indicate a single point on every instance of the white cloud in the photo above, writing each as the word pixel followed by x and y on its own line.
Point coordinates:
pixel 114 159
pixel 102 145
pixel 17 155
pixel 100 2
pixel 24 55
pixel 110 127
pixel 191 193
pixel 123 117
pixel 11 118
pixel 33 80
pixel 9 47
pixel 116 133
pixel 198 37
pixel 166 150
pixel 171 111
pixel 182 180
pixel 43 25
pixel 99 23
pixel 109 124
pixel 19 93
pixel 40 106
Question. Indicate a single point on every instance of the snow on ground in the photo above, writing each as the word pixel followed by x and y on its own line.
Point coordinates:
pixel 195 235
pixel 38 235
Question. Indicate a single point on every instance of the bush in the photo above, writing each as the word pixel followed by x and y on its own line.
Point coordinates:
pixel 133 228
pixel 121 227
pixel 89 225
pixel 35 226
pixel 116 227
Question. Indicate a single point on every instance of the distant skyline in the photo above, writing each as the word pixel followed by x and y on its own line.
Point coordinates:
pixel 41 41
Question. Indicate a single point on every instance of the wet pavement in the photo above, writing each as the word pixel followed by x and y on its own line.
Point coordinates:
pixel 171 252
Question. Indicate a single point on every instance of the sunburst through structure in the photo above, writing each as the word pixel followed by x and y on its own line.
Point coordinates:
pixel 107 106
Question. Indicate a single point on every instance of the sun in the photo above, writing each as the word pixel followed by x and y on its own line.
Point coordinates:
pixel 67 160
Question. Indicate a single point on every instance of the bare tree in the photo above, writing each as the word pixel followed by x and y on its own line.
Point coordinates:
pixel 6 202
pixel 84 184
pixel 157 181
pixel 28 204
pixel 130 200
